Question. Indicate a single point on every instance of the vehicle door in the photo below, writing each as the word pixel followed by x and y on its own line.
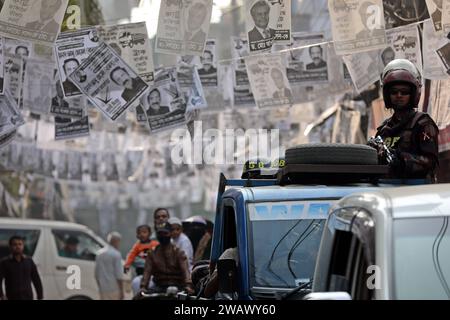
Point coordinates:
pixel 74 249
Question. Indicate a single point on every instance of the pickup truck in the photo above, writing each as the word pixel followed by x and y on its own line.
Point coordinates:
pixel 388 244
pixel 276 222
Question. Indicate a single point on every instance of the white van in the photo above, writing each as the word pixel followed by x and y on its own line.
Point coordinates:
pixel 45 241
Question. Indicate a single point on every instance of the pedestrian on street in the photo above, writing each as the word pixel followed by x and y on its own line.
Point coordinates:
pixel 109 269
pixel 181 241
pixel 19 271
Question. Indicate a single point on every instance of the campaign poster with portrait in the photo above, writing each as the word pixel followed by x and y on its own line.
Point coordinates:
pixel 38 21
pixel 268 81
pixel 208 65
pixel 357 26
pixel 165 106
pixel 261 24
pixel 307 59
pixel 109 82
pixel 72 49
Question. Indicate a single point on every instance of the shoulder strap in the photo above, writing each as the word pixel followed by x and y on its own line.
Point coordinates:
pixel 419 116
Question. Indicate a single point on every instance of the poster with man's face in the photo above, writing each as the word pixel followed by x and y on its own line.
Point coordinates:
pixel 38 86
pixel 239 51
pixel 132 43
pixel 18 47
pixel 357 26
pixel 13 77
pixel 208 66
pixel 183 27
pixel 261 24
pixel 37 21
pixel 403 43
pixel 308 65
pixel 72 48
pixel 72 108
pixel 109 82
pixel 268 81
pixel 164 102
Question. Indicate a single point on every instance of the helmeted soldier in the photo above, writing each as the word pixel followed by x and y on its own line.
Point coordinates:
pixel 412 135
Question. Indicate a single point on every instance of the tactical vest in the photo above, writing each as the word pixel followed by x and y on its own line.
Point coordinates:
pixel 402 138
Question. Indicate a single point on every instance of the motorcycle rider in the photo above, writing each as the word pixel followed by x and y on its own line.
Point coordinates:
pixel 411 135
pixel 167 264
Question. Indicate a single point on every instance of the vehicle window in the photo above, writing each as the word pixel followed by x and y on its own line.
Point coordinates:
pixel 341 261
pixel 31 240
pixel 360 276
pixel 422 273
pixel 285 239
pixel 229 235
pixel 76 245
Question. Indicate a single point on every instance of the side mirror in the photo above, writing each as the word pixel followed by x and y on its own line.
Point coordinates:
pixel 226 272
pixel 328 296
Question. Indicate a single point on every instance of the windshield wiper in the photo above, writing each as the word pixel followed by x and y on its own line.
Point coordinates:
pixel 296 290
pixel 295 246
pixel 269 267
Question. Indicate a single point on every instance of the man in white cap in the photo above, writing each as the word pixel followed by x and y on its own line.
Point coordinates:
pixel 180 240
pixel 109 269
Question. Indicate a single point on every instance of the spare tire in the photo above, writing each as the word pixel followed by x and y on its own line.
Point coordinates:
pixel 332 154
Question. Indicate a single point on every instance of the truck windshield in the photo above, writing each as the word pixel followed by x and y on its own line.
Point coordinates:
pixel 422 258
pixel 285 238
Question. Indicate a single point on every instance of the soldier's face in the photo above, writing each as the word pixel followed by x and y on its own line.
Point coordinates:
pixel 261 16
pixel 400 95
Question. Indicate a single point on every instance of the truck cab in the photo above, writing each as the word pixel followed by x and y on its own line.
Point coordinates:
pixel 388 244
pixel 277 224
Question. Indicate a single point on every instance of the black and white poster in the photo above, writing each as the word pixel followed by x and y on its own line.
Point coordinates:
pixel 190 83
pixel 72 108
pixel 308 65
pixel 10 116
pixel 435 11
pixel 37 20
pixel 67 129
pixel 268 80
pixel 444 56
pixel 405 44
pixel 208 66
pixel 183 27
pixel 109 83
pixel 72 48
pixel 357 26
pixel 38 86
pixel 165 104
pixel 132 43
pixel 399 13
pixel 13 76
pixel 261 24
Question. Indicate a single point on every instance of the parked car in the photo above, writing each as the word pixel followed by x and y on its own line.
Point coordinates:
pixel 386 244
pixel 46 242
